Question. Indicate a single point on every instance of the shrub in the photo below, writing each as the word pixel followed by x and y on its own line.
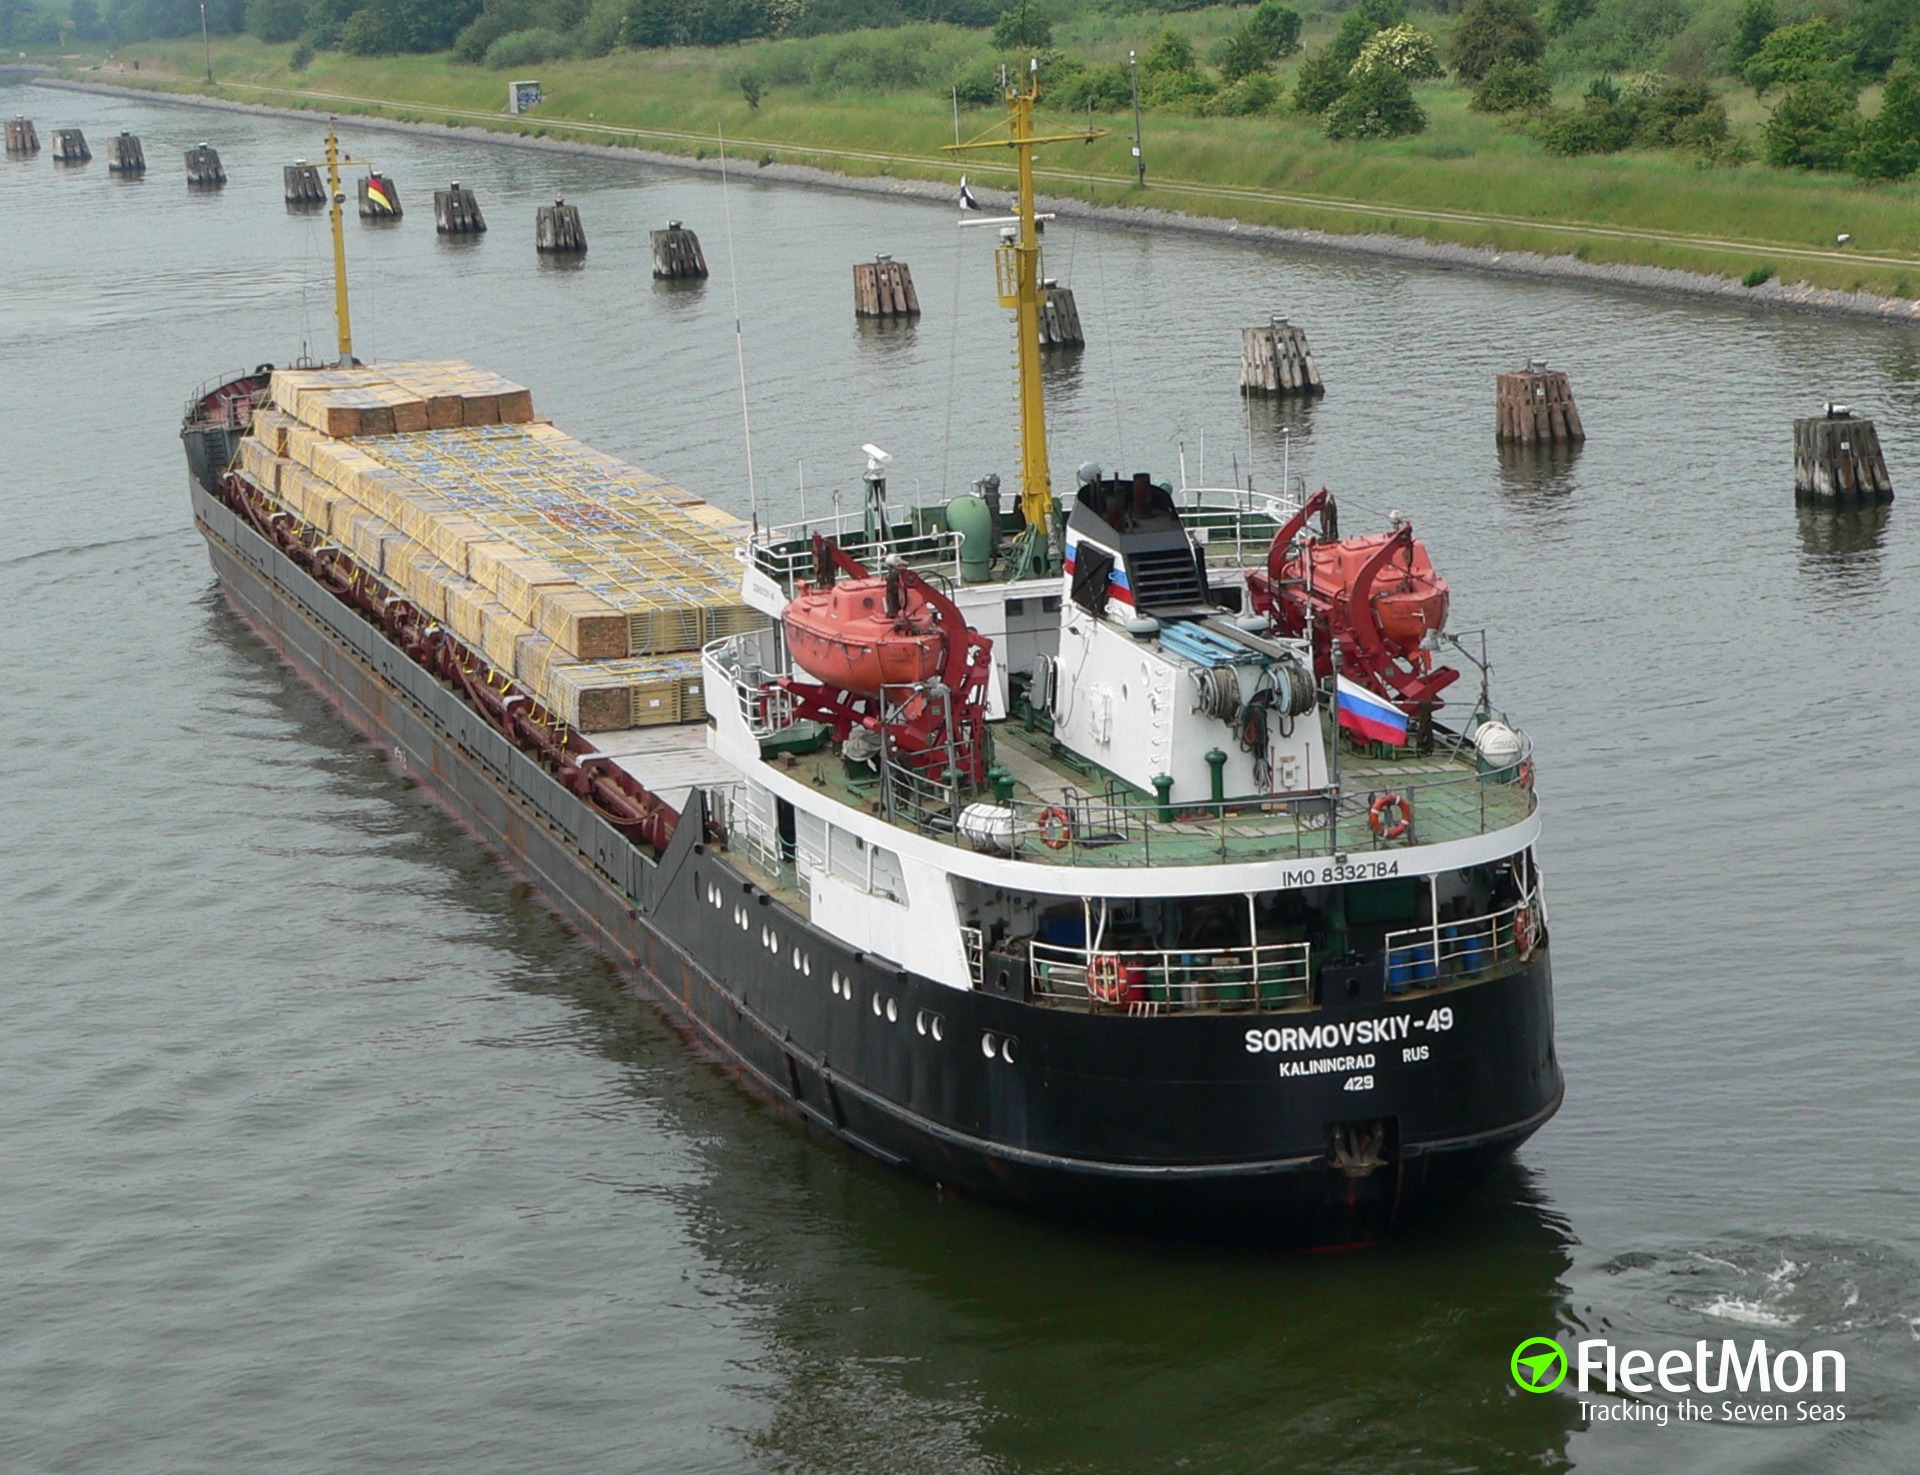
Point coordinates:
pixel 979 87
pixel 1655 112
pixel 302 56
pixel 1378 103
pixel 1405 49
pixel 1252 94
pixel 1889 146
pixel 1795 54
pixel 604 28
pixel 1323 75
pixel 1621 35
pixel 1491 31
pixel 1276 27
pixel 1758 277
pixel 1105 89
pixel 497 18
pixel 752 89
pixel 1511 87
pixel 1815 126
pixel 276 21
pixel 526 48
pixel 369 33
pixel 1758 20
pixel 1023 28
pixel 1240 54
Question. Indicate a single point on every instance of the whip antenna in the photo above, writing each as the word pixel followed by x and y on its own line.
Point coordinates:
pixel 739 340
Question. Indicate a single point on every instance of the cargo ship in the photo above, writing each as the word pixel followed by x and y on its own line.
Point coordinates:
pixel 1117 856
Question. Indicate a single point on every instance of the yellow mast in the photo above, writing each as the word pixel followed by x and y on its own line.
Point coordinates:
pixel 1017 266
pixel 336 198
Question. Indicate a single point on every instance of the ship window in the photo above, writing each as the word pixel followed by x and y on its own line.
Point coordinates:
pixel 893 1011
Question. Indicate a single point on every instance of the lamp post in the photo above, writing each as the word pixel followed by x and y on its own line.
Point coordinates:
pixel 1139 159
pixel 205 39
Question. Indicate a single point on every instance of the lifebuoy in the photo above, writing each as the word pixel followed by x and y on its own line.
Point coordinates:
pixel 1056 827
pixel 1106 979
pixel 1381 807
pixel 1526 773
pixel 1523 938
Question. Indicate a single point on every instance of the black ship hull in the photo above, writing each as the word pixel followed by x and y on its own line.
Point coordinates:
pixel 1199 1126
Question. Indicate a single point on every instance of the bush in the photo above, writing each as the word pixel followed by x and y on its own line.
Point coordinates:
pixel 1511 87
pixel 1758 277
pixel 1378 103
pixel 276 21
pixel 1623 35
pixel 1795 54
pixel 752 89
pixel 1405 49
pixel 604 28
pixel 979 87
pixel 1105 89
pixel 1491 31
pixel 1815 126
pixel 302 56
pixel 1023 28
pixel 1889 146
pixel 526 48
pixel 1758 20
pixel 1323 76
pixel 1240 54
pixel 497 18
pixel 1253 94
pixel 369 33
pixel 1276 27
pixel 1656 112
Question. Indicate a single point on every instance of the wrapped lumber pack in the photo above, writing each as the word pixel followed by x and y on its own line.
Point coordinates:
pixel 589 581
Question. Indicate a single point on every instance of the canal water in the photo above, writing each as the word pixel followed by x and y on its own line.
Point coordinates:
pixel 324 1147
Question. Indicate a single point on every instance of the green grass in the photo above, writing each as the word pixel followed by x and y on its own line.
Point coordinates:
pixel 1275 170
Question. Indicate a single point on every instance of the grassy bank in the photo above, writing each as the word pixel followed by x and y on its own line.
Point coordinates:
pixel 1467 179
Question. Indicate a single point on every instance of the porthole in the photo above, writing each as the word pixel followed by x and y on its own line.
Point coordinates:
pixel 796 957
pixel 806 965
pixel 1006 1049
pixel 876 1006
pixel 988 1046
pixel 893 1012
pixel 939 1031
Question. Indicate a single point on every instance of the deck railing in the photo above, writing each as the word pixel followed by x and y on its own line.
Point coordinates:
pixel 785 552
pixel 1426 957
pixel 1173 981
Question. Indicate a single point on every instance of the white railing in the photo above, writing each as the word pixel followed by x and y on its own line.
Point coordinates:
pixel 1266 976
pixel 785 552
pixel 976 946
pixel 733 664
pixel 1235 526
pixel 1464 947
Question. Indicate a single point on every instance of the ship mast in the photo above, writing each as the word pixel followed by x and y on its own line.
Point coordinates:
pixel 1017 267
pixel 336 199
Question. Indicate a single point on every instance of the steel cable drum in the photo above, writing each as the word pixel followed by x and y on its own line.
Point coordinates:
pixel 1295 684
pixel 1217 691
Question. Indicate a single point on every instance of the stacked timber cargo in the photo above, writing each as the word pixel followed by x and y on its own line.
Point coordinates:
pixel 591 582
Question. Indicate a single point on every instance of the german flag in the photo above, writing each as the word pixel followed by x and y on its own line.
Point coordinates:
pixel 378 195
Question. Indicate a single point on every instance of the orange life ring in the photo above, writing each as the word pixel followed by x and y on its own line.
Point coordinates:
pixel 1378 811
pixel 1056 827
pixel 1106 978
pixel 1523 938
pixel 1526 773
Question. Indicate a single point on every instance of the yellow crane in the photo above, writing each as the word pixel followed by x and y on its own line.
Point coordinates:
pixel 1017 268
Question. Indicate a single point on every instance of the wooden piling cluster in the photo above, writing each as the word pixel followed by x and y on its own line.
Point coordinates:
pixel 124 154
pixel 1275 358
pixel 70 146
pixel 379 198
pixel 1534 406
pixel 1059 318
pixel 557 228
pixel 204 167
pixel 589 581
pixel 1837 456
pixel 676 254
pixel 457 213
pixel 883 288
pixel 21 137
pixel 303 184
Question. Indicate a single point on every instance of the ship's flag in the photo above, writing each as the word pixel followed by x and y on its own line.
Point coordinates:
pixel 967 201
pixel 376 192
pixel 1370 715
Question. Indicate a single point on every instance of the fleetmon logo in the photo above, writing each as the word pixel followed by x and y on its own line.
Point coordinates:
pixel 1539 1365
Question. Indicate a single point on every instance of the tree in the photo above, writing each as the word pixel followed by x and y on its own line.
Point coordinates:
pixel 1511 87
pixel 1378 103
pixel 1170 52
pixel 1815 126
pixel 1240 54
pixel 87 24
pixel 1795 54
pixel 274 21
pixel 1496 30
pixel 1324 75
pixel 1276 27
pixel 1889 146
pixel 1406 49
pixel 1023 28
pixel 1758 20
pixel 752 89
pixel 1879 31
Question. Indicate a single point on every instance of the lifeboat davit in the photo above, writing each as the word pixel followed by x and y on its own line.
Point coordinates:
pixel 860 635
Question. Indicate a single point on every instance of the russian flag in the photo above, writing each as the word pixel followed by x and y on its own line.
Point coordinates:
pixel 1370 715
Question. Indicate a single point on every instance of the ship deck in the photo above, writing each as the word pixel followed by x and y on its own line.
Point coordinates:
pixel 1108 824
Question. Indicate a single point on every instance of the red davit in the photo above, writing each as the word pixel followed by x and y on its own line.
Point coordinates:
pixel 1378 595
pixel 893 655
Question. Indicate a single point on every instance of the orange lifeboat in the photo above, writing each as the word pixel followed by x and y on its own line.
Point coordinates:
pixel 859 635
pixel 1407 597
